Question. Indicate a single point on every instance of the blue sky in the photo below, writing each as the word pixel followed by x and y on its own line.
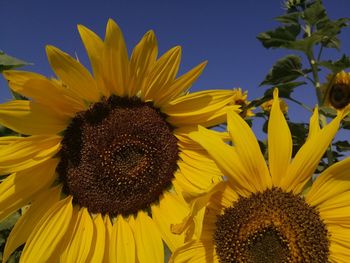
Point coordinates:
pixel 222 32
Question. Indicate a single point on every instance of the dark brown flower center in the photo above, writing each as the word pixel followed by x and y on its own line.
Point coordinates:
pixel 274 227
pixel 339 95
pixel 118 156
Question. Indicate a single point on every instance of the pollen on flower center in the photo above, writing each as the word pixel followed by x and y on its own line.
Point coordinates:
pixel 118 156
pixel 273 226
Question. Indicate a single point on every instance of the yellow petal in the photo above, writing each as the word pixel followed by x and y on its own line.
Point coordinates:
pixel 148 241
pixel 44 91
pixel 16 78
pixel 162 74
pixel 163 219
pixel 6 140
pixel 338 254
pixel 181 85
pixel 195 252
pixel 185 142
pixel 207 108
pixel 72 73
pixel 78 248
pixel 27 152
pixel 122 246
pixel 98 243
pixel 18 189
pixel 340 234
pixel 115 60
pixel 330 183
pixel 248 150
pixel 94 47
pixel 228 161
pixel 48 233
pixel 197 212
pixel 108 240
pixel 31 118
pixel 306 160
pixel 279 142
pixel 27 222
pixel 314 127
pixel 200 178
pixel 142 60
pixel 336 210
pixel 55 97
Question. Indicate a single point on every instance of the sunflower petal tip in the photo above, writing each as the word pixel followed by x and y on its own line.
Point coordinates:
pixel 275 93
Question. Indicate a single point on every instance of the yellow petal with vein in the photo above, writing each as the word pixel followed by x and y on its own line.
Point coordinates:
pixel 6 140
pixel 279 142
pixel 115 60
pixel 44 91
pixel 97 249
pixel 78 248
pixel 122 247
pixel 31 118
pixel 27 152
pixel 197 212
pixel 94 47
pixel 195 252
pixel 330 183
pixel 19 188
pixel 72 73
pixel 248 151
pixel 314 127
pixel 164 219
pixel 148 241
pixel 108 239
pixel 205 108
pixel 27 222
pixel 306 160
pixel 228 161
pixel 142 60
pixel 162 74
pixel 181 85
pixel 48 233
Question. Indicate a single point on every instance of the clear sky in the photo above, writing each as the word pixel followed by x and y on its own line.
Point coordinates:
pixel 222 32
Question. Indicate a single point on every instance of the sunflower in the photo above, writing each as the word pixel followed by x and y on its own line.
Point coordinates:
pixel 270 214
pixel 337 90
pixel 105 157
pixel 266 106
pixel 241 98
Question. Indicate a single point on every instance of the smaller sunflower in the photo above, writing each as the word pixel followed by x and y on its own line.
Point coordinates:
pixel 266 106
pixel 263 213
pixel 337 90
pixel 241 98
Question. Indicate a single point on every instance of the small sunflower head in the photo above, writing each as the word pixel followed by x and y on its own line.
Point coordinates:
pixel 240 98
pixel 337 90
pixel 266 106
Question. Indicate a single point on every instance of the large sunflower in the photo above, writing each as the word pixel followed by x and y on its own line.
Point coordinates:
pixel 102 152
pixel 269 213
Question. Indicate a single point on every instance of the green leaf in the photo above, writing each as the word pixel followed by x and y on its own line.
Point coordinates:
pixel 285 90
pixel 285 70
pixel 291 18
pixel 328 111
pixel 327 31
pixel 280 37
pixel 8 62
pixel 342 146
pixel 315 13
pixel 336 66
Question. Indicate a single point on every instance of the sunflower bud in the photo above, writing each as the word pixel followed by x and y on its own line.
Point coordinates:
pixel 337 92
